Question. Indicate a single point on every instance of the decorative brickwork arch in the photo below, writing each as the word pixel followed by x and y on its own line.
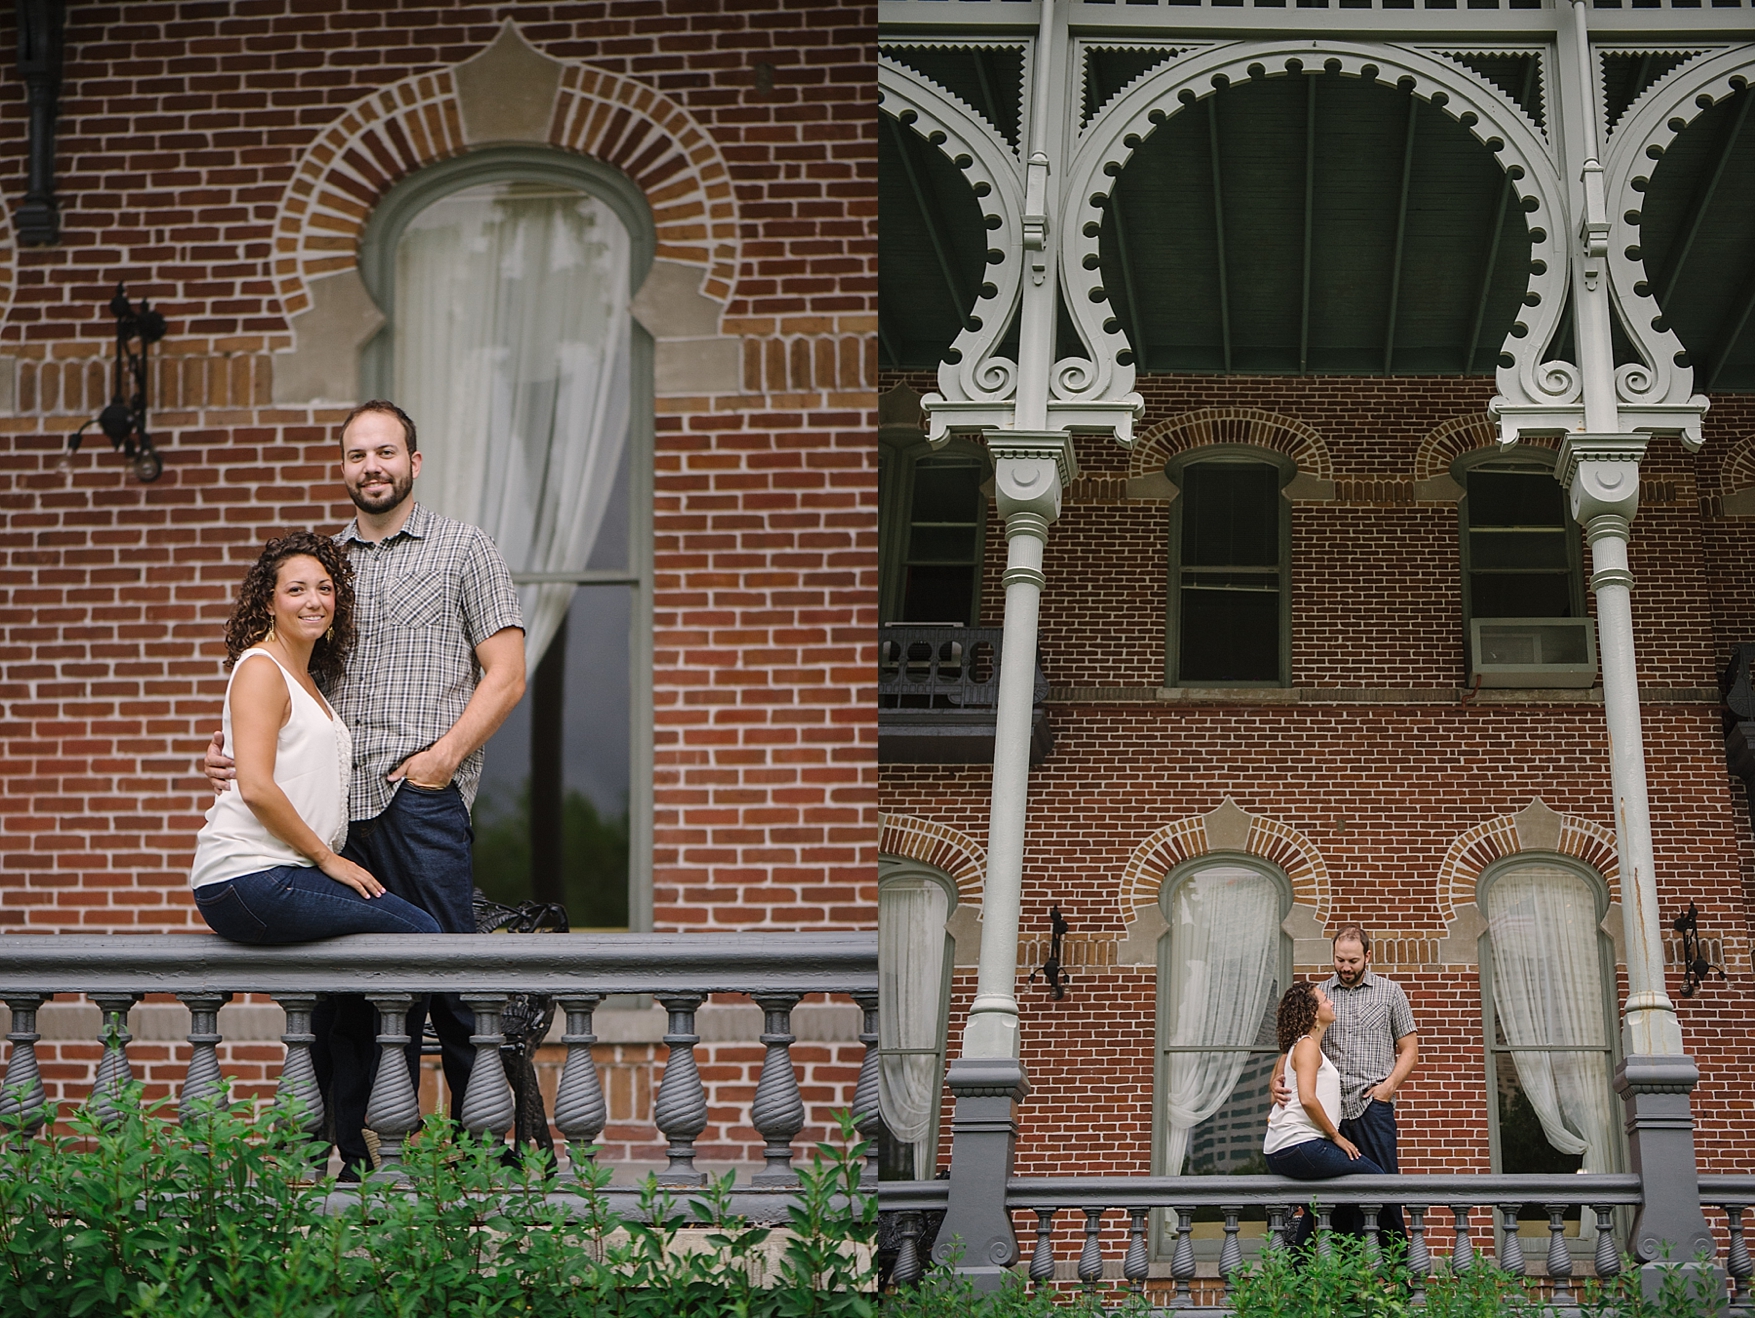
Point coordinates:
pixel 938 845
pixel 389 134
pixel 8 262
pixel 1534 828
pixel 1737 471
pixel 1222 829
pixel 1465 434
pixel 1230 425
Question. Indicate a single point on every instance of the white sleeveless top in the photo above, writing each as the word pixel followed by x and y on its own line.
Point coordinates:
pixel 1289 1123
pixel 313 762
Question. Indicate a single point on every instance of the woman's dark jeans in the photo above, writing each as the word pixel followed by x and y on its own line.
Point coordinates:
pixel 1317 1160
pixel 300 904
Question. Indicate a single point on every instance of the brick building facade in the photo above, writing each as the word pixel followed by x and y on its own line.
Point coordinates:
pixel 224 161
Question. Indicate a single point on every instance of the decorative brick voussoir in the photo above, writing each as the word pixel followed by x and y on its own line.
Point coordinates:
pixel 1166 848
pixel 1231 425
pixel 1536 828
pixel 1464 434
pixel 938 845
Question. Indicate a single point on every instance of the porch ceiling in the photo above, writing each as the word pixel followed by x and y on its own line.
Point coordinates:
pixel 1325 225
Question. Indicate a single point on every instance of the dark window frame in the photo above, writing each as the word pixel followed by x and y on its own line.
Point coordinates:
pixel 1533 462
pixel 1174 469
pixel 900 452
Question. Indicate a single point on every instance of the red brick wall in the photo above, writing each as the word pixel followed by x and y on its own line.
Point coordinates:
pixel 1381 786
pixel 180 128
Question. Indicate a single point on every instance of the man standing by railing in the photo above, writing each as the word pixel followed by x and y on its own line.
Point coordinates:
pixel 1373 1045
pixel 438 665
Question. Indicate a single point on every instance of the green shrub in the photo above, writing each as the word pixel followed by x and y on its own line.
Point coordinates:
pixel 220 1219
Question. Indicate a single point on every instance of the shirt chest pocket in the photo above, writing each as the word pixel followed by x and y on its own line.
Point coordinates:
pixel 414 603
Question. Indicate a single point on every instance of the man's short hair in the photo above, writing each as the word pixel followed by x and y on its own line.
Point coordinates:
pixel 389 409
pixel 1355 934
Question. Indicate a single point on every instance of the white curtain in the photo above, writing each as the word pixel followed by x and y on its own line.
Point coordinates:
pixel 1548 990
pixel 512 356
pixel 1225 950
pixel 911 962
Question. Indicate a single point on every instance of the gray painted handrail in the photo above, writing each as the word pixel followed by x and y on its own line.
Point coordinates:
pixel 827 962
pixel 1220 1191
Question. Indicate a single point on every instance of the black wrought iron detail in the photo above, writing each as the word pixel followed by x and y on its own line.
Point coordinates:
pixel 1695 966
pixel 124 421
pixel 1053 977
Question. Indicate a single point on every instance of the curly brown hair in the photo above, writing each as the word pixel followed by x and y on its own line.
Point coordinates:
pixel 1297 1014
pixel 254 611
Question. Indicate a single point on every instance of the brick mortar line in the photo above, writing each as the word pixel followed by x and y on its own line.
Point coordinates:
pixel 1222 696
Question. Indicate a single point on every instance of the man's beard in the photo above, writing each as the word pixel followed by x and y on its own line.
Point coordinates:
pixel 399 488
pixel 1349 976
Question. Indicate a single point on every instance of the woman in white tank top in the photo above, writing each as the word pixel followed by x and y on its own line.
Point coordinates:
pixel 1304 1139
pixel 268 867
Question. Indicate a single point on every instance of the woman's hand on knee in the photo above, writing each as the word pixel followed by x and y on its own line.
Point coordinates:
pixel 343 870
pixel 1347 1146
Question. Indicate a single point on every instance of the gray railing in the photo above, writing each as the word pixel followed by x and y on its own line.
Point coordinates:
pixel 939 667
pixel 579 971
pixel 1456 1197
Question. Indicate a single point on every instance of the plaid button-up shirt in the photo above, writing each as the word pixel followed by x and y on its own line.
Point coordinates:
pixel 424 598
pixel 1369 1018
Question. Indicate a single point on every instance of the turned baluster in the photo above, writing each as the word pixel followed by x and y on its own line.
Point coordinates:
pixel 113 1071
pixel 22 1101
pixel 488 1108
pixel 778 1109
pixel 1091 1257
pixel 580 1112
pixel 297 1098
pixel 1277 1216
pixel 1042 1259
pixel 908 1267
pixel 865 1093
pixel 1419 1257
pixel 1559 1257
pixel 1182 1258
pixel 202 1082
pixel 1510 1248
pixel 681 1109
pixel 1608 1258
pixel 1737 1256
pixel 1462 1254
pixel 393 1111
pixel 1231 1254
pixel 1324 1246
pixel 1137 1265
pixel 1373 1252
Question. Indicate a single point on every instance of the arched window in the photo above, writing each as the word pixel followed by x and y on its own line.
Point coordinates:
pixel 505 277
pixel 1523 578
pixel 915 954
pixel 1230 569
pixel 1222 967
pixel 1548 1006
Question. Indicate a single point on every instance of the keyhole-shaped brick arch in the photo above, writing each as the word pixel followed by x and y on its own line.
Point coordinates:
pixel 419 121
pixel 1231 425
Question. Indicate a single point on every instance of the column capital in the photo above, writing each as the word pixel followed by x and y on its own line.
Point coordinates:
pixel 1032 469
pixel 1600 474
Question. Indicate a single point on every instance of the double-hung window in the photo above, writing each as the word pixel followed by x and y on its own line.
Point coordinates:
pixel 931 529
pixel 1230 570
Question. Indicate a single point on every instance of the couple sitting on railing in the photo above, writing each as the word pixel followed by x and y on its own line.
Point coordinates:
pixel 367 672
pixel 1346 1047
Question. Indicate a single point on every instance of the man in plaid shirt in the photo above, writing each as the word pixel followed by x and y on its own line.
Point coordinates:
pixel 1373 1045
pixel 437 666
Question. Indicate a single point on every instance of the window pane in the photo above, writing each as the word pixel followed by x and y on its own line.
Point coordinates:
pixel 938 594
pixel 1515 498
pixel 1230 515
pixel 1520 594
pixel 1523 1148
pixel 1518 549
pixel 1229 635
pixel 932 542
pixel 947 490
pixel 589 761
pixel 944 542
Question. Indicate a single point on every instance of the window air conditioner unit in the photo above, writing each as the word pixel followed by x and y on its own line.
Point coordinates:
pixel 1533 652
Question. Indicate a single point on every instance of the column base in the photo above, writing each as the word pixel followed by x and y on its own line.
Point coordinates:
pixel 1668 1226
pixel 977 1230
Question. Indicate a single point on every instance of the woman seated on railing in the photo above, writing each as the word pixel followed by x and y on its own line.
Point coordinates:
pixel 266 863
pixel 1304 1140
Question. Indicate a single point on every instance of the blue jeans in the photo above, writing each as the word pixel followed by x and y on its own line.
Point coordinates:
pixel 1321 1160
pixel 418 848
pixel 300 904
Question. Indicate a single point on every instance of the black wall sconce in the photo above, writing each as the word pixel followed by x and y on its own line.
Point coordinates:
pixel 124 420
pixel 40 27
pixel 1051 973
pixel 1695 966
